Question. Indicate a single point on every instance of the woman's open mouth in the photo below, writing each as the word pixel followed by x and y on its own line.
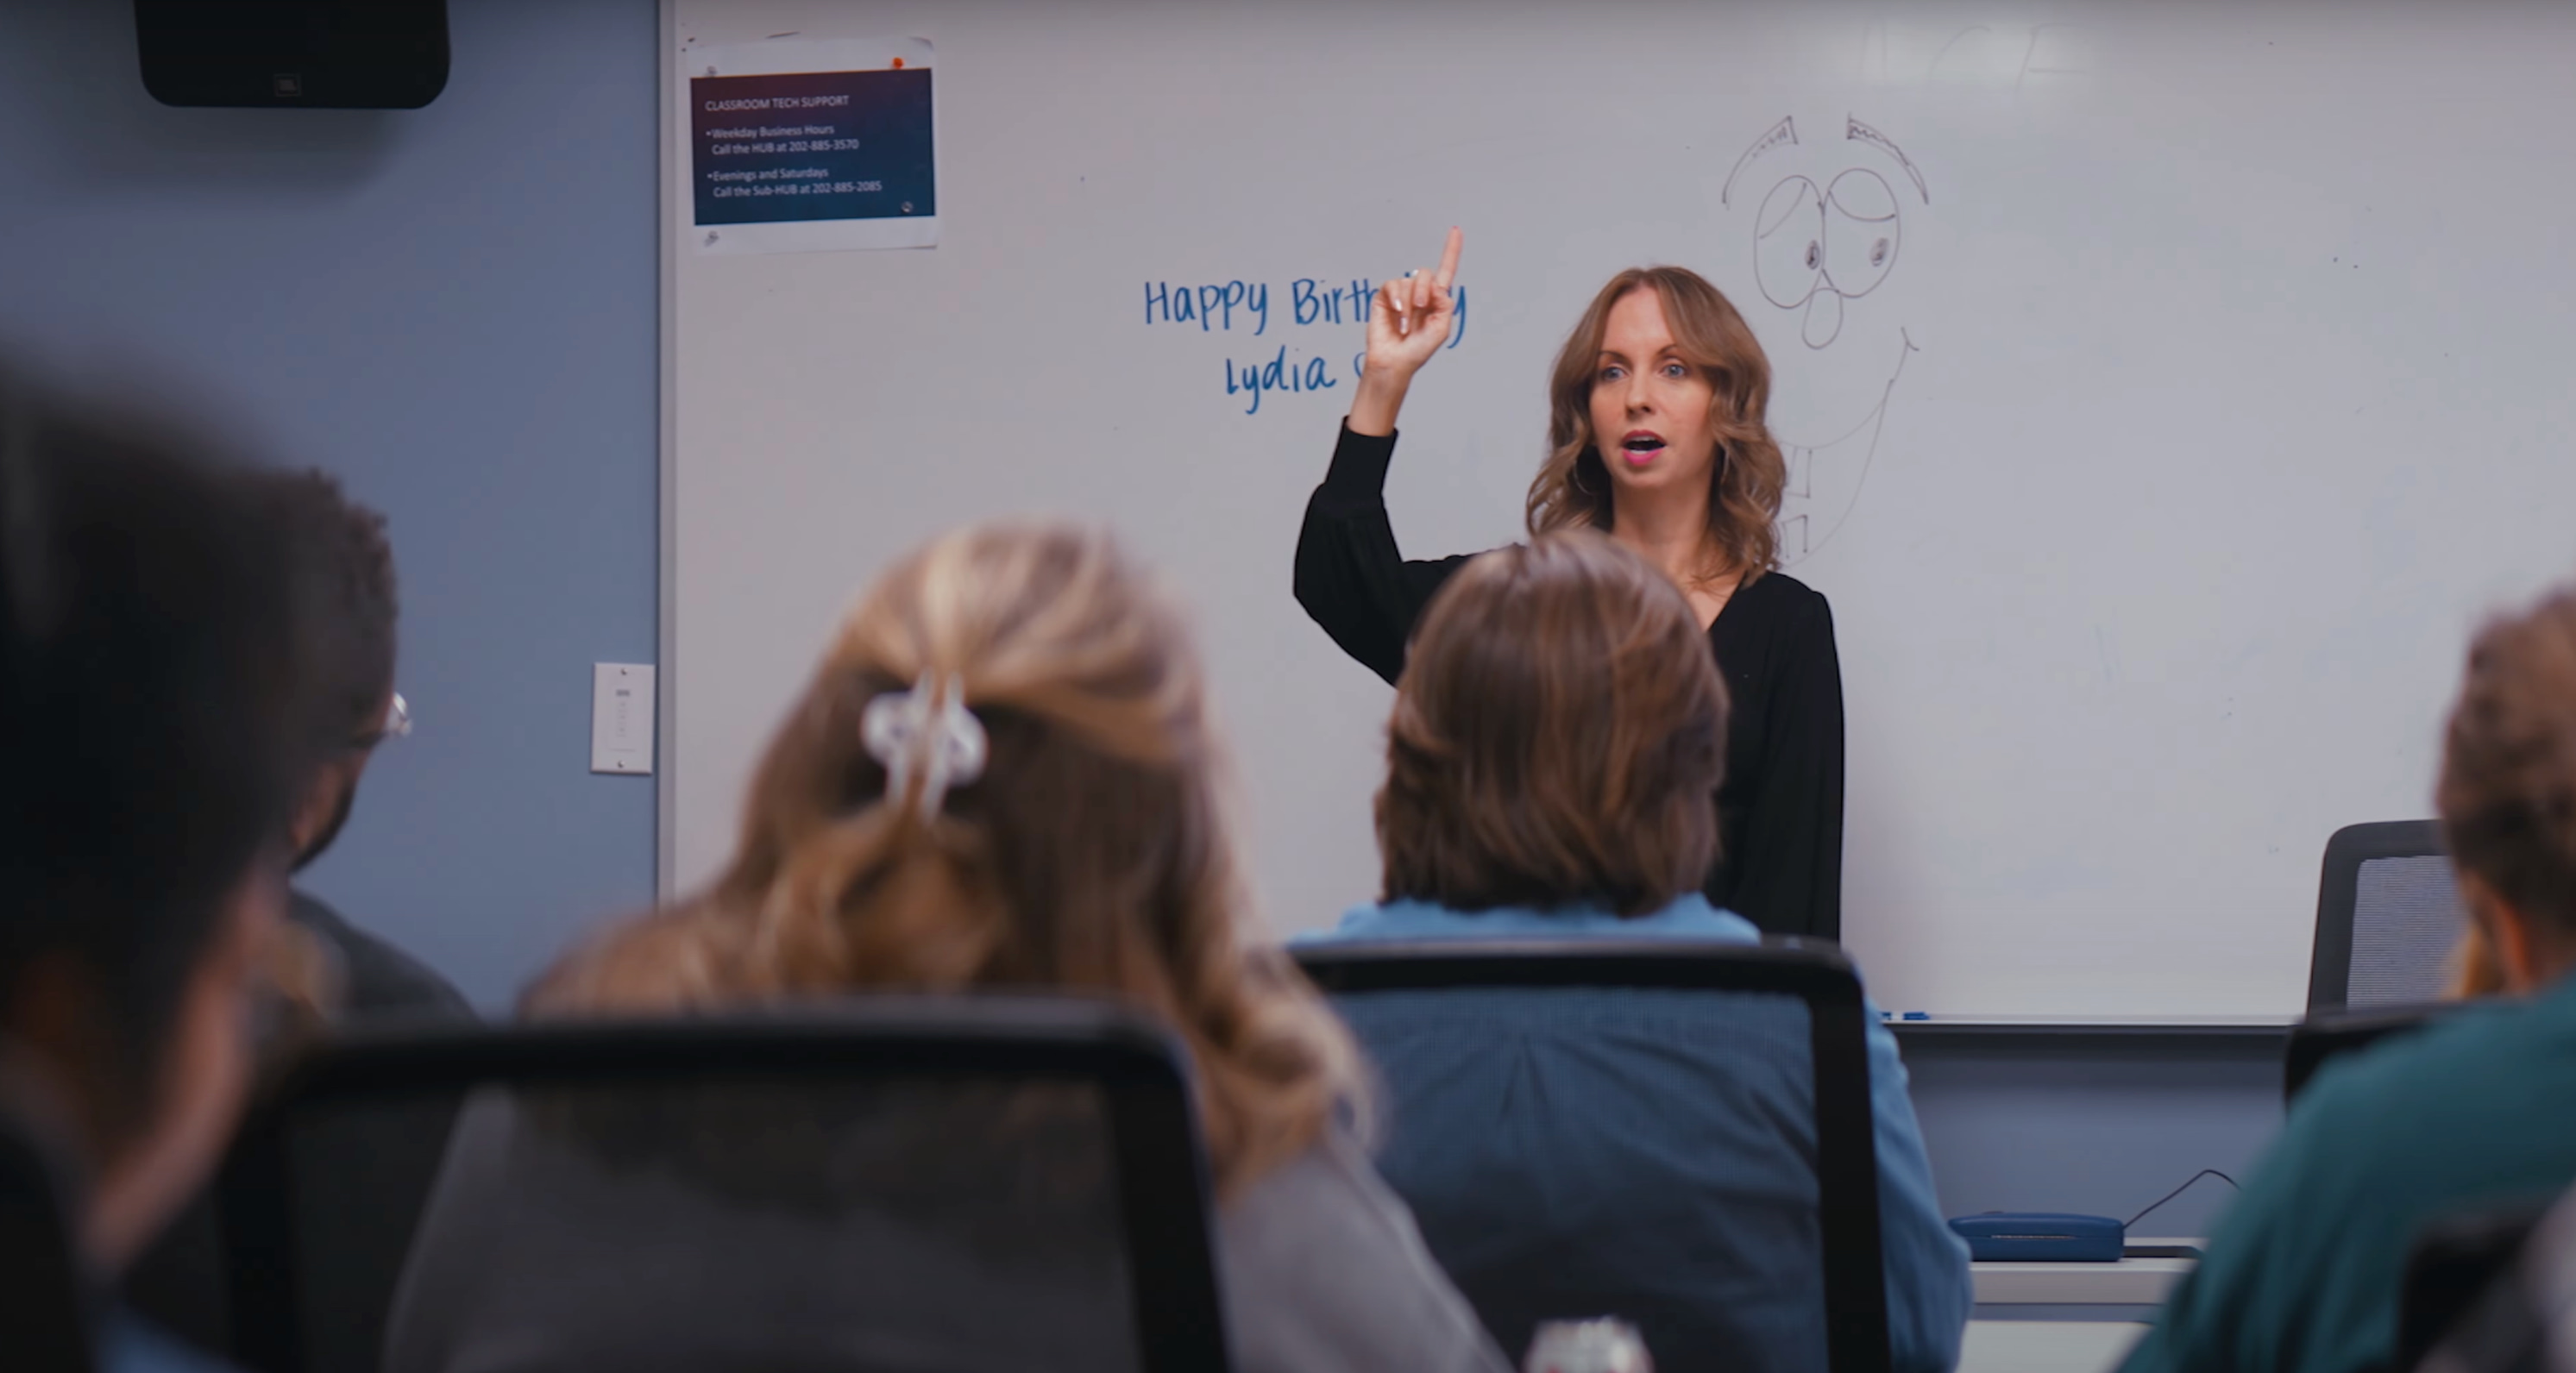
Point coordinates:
pixel 1641 447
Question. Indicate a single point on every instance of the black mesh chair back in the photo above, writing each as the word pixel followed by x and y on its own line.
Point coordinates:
pixel 2388 915
pixel 372 1179
pixel 1508 1226
pixel 884 1183
pixel 47 1301
pixel 2454 1260
pixel 2522 1318
pixel 2327 1035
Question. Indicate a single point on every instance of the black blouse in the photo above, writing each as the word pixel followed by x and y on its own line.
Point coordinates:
pixel 1780 807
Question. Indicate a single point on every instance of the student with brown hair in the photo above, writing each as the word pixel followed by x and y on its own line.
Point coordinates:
pixel 2475 1113
pixel 1657 436
pixel 1002 775
pixel 1554 749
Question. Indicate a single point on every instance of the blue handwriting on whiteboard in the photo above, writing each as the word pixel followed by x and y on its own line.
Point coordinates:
pixel 1311 301
pixel 1211 307
pixel 1278 374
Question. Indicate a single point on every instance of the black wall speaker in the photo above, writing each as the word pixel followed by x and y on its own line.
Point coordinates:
pixel 330 54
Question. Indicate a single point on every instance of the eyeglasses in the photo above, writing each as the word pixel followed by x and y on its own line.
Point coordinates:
pixel 397 724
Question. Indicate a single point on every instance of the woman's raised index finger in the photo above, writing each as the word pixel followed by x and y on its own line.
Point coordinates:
pixel 1449 257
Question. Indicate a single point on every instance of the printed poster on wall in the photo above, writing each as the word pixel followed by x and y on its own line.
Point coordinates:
pixel 811 145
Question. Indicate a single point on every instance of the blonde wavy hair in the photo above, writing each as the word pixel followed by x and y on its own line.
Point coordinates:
pixel 1093 853
pixel 1572 489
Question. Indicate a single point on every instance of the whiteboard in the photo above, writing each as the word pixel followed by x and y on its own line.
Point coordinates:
pixel 2208 392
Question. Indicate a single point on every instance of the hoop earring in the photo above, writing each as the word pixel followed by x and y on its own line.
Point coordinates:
pixel 1574 478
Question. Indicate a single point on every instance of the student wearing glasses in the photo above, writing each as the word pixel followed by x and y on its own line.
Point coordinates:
pixel 351 572
pixel 325 968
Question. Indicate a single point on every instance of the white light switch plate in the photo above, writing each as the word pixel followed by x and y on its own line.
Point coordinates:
pixel 621 717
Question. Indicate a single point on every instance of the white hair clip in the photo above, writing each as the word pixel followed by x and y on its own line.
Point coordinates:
pixel 925 731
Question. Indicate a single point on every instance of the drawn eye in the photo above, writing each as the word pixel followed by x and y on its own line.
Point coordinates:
pixel 1861 232
pixel 1789 247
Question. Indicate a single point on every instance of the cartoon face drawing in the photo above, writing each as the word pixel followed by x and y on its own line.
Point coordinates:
pixel 1815 249
pixel 1823 238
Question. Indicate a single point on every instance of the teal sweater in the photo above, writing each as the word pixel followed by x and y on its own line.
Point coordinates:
pixel 2302 1276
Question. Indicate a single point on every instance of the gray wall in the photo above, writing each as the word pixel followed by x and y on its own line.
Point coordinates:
pixel 2100 1124
pixel 453 308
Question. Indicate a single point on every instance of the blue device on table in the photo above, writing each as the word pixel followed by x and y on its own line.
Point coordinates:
pixel 2041 1237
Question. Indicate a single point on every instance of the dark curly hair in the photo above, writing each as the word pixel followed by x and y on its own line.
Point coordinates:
pixel 349 575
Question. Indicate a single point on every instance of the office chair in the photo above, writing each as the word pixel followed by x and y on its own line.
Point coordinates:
pixel 1371 980
pixel 2388 914
pixel 2455 1261
pixel 882 1182
pixel 2520 1319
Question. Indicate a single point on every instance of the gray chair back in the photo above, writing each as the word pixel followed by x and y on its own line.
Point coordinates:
pixel 883 1182
pixel 2388 916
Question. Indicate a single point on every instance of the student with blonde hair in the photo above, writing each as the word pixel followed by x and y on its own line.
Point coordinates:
pixel 2473 1114
pixel 1004 775
pixel 1556 744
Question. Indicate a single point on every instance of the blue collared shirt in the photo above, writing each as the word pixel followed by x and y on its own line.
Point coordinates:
pixel 1650 1141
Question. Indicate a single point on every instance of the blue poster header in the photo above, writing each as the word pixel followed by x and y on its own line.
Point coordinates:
pixel 804 146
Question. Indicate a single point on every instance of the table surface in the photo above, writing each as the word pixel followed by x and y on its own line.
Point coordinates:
pixel 2129 1282
pixel 2046 1346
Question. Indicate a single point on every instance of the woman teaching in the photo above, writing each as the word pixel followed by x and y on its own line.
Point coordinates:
pixel 1656 437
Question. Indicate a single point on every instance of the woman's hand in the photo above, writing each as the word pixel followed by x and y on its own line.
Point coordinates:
pixel 1411 317
pixel 1408 322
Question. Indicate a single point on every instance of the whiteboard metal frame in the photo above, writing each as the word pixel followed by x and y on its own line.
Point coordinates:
pixel 2063 1027
pixel 666 649
pixel 666 657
